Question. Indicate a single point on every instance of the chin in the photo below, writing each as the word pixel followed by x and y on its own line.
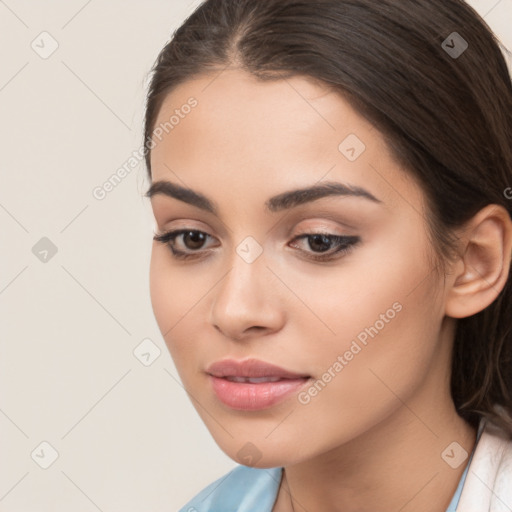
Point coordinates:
pixel 261 454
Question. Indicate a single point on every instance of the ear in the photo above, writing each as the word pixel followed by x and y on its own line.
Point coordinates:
pixel 482 269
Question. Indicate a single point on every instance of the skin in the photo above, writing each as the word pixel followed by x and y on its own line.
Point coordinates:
pixel 372 439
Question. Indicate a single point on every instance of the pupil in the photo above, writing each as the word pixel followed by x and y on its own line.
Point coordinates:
pixel 197 239
pixel 320 239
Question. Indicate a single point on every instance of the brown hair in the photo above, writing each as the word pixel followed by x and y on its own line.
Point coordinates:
pixel 447 118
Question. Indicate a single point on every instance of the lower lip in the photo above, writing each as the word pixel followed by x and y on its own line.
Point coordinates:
pixel 251 397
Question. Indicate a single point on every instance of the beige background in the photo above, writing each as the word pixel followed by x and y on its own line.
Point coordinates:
pixel 126 435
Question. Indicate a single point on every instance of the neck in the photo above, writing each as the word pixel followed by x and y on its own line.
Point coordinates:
pixel 388 470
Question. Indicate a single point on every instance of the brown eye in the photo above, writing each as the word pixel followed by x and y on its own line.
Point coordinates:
pixel 320 243
pixel 192 240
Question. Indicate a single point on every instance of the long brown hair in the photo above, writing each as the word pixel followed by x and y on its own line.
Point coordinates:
pixel 442 100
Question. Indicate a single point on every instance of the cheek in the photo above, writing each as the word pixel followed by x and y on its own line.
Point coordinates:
pixel 173 296
pixel 378 311
pixel 362 289
pixel 361 383
pixel 180 297
pixel 162 290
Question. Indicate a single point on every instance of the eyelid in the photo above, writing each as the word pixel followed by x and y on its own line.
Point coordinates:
pixel 181 217
pixel 340 217
pixel 321 226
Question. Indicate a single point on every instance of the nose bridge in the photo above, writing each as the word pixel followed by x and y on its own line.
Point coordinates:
pixel 245 280
pixel 245 297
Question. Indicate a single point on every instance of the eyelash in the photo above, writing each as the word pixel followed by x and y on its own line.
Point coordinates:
pixel 345 244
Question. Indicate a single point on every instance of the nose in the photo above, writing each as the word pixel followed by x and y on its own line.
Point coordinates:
pixel 246 302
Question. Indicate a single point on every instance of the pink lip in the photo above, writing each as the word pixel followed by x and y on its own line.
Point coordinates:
pixel 250 368
pixel 252 396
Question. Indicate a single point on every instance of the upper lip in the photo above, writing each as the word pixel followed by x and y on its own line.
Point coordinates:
pixel 250 368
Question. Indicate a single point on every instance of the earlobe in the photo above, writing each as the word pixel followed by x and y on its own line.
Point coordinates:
pixel 484 265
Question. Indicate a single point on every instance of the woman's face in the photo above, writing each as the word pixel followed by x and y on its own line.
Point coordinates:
pixel 363 328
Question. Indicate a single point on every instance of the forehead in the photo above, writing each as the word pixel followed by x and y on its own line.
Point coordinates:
pixel 273 135
pixel 234 106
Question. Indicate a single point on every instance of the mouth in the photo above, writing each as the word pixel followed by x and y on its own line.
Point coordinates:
pixel 251 369
pixel 253 384
pixel 252 380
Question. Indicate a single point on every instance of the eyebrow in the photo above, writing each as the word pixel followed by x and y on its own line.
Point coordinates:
pixel 283 201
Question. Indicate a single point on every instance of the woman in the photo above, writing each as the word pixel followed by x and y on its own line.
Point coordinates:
pixel 330 181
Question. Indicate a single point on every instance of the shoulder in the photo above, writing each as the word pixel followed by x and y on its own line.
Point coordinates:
pixel 243 489
pixel 490 472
